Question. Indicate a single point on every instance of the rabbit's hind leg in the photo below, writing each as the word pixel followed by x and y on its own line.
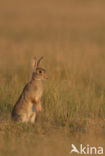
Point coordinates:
pixel 23 118
pixel 32 117
pixel 20 118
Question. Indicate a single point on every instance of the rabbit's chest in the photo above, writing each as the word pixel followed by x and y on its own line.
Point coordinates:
pixel 38 94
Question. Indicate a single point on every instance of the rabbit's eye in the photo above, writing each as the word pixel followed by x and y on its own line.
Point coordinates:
pixel 40 71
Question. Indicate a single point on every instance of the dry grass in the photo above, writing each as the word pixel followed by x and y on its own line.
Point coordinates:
pixel 71 37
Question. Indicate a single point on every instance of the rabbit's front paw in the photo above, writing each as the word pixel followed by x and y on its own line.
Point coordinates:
pixel 38 108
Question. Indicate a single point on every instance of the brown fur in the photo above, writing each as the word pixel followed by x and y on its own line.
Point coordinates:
pixel 29 102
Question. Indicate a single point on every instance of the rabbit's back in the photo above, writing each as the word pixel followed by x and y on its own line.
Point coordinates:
pixel 23 104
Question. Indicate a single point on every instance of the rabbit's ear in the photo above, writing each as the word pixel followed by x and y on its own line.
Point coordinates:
pixel 38 62
pixel 34 63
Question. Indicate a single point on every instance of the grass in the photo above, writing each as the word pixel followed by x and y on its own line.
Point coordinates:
pixel 71 37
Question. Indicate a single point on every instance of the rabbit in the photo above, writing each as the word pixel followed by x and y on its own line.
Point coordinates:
pixel 29 102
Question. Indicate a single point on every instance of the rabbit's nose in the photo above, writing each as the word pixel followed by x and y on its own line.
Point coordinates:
pixel 46 76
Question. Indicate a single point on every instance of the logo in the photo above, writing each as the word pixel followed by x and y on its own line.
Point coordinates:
pixel 87 149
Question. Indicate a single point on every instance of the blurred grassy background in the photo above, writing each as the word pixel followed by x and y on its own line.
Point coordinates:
pixel 71 36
